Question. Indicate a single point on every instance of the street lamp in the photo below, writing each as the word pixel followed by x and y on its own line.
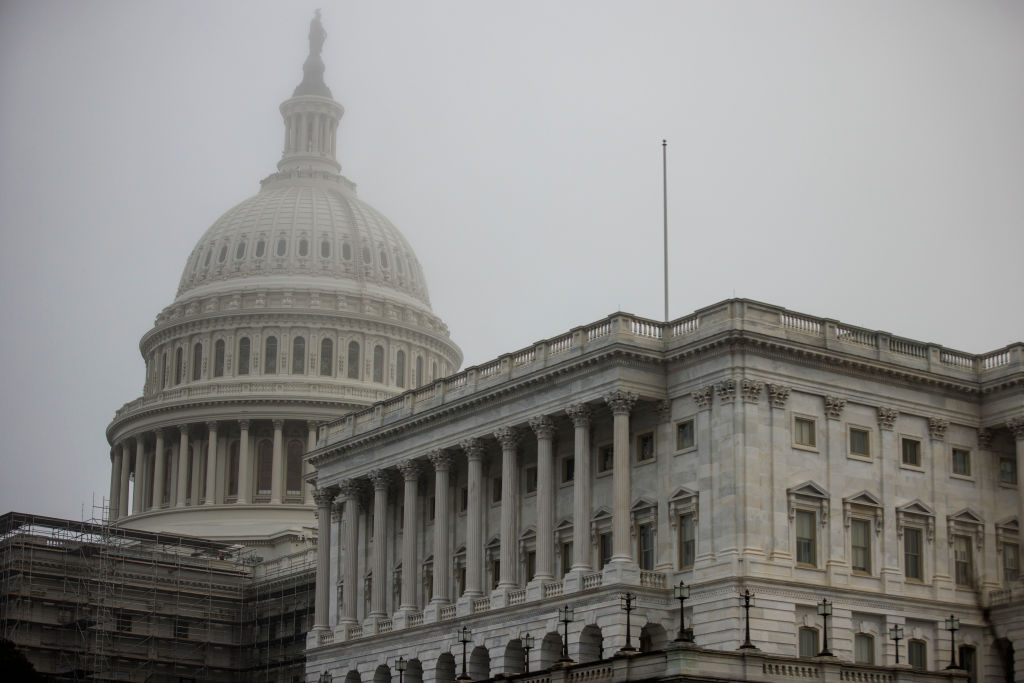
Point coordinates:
pixel 325 677
pixel 465 636
pixel 896 634
pixel 747 645
pixel 527 646
pixel 565 615
pixel 825 610
pixel 952 625
pixel 626 601
pixel 681 592
pixel 401 664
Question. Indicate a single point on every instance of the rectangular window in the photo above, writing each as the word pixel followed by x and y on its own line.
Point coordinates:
pixel 860 545
pixel 860 442
pixel 912 568
pixel 530 479
pixel 431 509
pixel 1011 562
pixel 962 462
pixel 605 459
pixel 1008 471
pixel 863 649
pixel 962 560
pixel 806 539
pixel 685 437
pixel 911 452
pixel 463 499
pixel 687 541
pixel 566 557
pixel 496 490
pixel 495 573
pixel 604 549
pixel 645 538
pixel 804 432
pixel 917 654
pixel 531 564
pixel 968 662
pixel 808 642
pixel 645 447
pixel 568 470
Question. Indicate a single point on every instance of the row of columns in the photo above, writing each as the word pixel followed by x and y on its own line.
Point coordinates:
pixel 621 403
pixel 124 464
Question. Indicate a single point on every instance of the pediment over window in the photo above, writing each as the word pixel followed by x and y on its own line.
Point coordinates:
pixel 863 504
pixel 915 513
pixel 563 531
pixel 1007 531
pixel 809 489
pixel 966 522
pixel 492 549
pixel 643 511
pixel 527 539
pixel 808 496
pixel 600 521
pixel 683 502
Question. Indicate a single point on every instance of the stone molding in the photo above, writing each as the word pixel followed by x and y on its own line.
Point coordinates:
pixel 984 438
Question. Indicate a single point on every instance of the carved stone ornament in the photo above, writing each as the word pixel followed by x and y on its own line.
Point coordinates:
pixel 508 437
pixel 621 402
pixel 1016 427
pixel 410 469
pixel 937 428
pixel 834 407
pixel 543 426
pixel 726 391
pixel 325 496
pixel 984 438
pixel 473 448
pixel 579 413
pixel 887 418
pixel 778 395
pixel 751 390
pixel 441 460
pixel 664 409
pixel 702 397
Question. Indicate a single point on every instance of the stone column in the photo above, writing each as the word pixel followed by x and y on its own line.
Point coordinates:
pixel 244 465
pixel 1016 427
pixel 350 561
pixel 474 450
pixel 182 492
pixel 937 467
pixel 889 543
pixel 621 403
pixel 321 608
pixel 442 556
pixel 544 428
pixel 138 495
pixel 836 561
pixel 159 465
pixel 307 469
pixel 410 470
pixel 277 464
pixel 381 479
pixel 580 415
pixel 508 437
pixel 122 498
pixel 778 396
pixel 113 506
pixel 211 465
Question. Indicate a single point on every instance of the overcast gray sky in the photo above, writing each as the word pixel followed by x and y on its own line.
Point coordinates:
pixel 862 161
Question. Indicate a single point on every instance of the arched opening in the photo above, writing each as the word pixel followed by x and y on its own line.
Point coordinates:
pixel 197 361
pixel 414 671
pixel 353 360
pixel 218 358
pixel 479 667
pixel 444 669
pixel 294 468
pixel 270 358
pixel 378 364
pixel 299 356
pixel 652 637
pixel 1004 649
pixel 382 674
pixel 264 467
pixel 400 369
pixel 514 660
pixel 353 677
pixel 550 650
pixel 244 347
pixel 326 357
pixel 591 644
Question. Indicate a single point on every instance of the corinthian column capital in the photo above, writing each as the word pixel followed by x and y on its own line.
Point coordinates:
pixel 543 426
pixel 410 469
pixel 441 460
pixel 1016 427
pixel 325 496
pixel 473 448
pixel 621 402
pixel 579 413
pixel 508 437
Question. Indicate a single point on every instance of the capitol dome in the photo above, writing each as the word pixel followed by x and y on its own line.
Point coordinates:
pixel 297 306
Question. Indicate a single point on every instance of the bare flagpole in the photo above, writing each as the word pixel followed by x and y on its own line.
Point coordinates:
pixel 664 208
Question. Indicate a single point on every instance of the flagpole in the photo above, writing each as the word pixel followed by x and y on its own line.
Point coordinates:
pixel 664 209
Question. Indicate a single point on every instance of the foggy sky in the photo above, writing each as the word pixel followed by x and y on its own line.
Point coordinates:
pixel 859 161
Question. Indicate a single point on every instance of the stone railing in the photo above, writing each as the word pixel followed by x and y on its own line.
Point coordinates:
pixel 325 638
pixel 652 579
pixel 551 590
pixel 414 619
pixel 726 318
pixel 446 613
pixel 516 597
pixel 481 604
pixel 594 580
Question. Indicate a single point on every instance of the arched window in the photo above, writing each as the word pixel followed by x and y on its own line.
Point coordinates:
pixel 326 357
pixel 270 358
pixel 353 360
pixel 325 249
pixel 433 371
pixel 808 642
pixel 303 247
pixel 400 369
pixel 346 251
pixel 163 371
pixel 197 361
pixel 264 467
pixel 233 469
pixel 244 347
pixel 419 371
pixel 367 256
pixel 282 247
pixel 240 251
pixel 261 248
pixel 179 363
pixel 218 358
pixel 378 364
pixel 223 254
pixel 209 254
pixel 293 468
pixel 299 356
pixel 383 259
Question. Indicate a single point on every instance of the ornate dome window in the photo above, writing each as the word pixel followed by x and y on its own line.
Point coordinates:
pixel 346 251
pixel 326 357
pixel 325 249
pixel 240 251
pixel 282 247
pixel 367 257
pixel 179 363
pixel 299 356
pixel 218 358
pixel 261 248
pixel 233 460
pixel 378 364
pixel 383 259
pixel 303 247
pixel 197 362
pixel 270 357
pixel 264 467
pixel 353 360
pixel 209 255
pixel 223 255
pixel 400 369
pixel 293 485
pixel 244 351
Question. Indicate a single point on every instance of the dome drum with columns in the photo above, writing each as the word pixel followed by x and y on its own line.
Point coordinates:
pixel 298 305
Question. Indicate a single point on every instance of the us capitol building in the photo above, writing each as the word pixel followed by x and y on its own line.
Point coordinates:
pixel 309 487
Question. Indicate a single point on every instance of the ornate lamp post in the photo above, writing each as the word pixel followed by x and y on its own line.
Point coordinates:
pixel 565 615
pixel 825 610
pixel 747 645
pixel 681 593
pixel 896 634
pixel 626 600
pixel 952 625
pixel 325 677
pixel 401 664
pixel 465 636
pixel 527 646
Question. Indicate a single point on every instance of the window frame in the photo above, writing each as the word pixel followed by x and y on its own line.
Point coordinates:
pixel 850 429
pixel 906 440
pixel 681 426
pixel 870 643
pixel 812 515
pixel 919 645
pixel 1008 476
pixel 529 480
pixel 567 470
pixel 918 532
pixel 953 451
pixel 800 643
pixel 639 440
pixel 1009 549
pixel 604 453
pixel 963 560
pixel 799 418
pixel 868 551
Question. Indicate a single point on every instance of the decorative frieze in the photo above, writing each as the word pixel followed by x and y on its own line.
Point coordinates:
pixel 834 407
pixel 751 390
pixel 778 394
pixel 887 418
pixel 937 428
